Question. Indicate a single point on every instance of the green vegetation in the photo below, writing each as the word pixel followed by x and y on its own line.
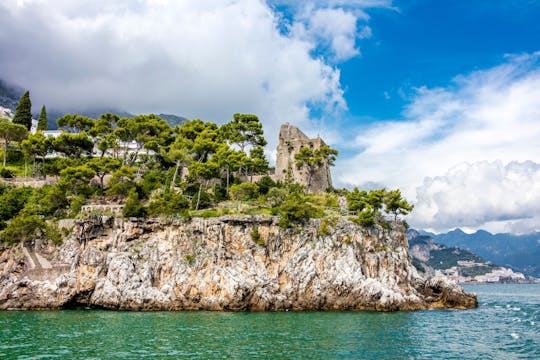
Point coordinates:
pixel 196 168
pixel 256 237
pixel 43 122
pixel 10 132
pixel 314 159
pixel 23 111
pixel 369 206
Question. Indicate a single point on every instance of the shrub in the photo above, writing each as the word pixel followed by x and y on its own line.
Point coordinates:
pixel 256 236
pixel 406 224
pixel 366 218
pixel 323 228
pixel 205 201
pixel 27 228
pixel 168 203
pixel 276 196
pixel 133 207
pixel 151 180
pixel 12 201
pixel 46 201
pixel 122 181
pixel 265 184
pixel 296 210
pixel 6 173
pixel 189 258
pixel 331 200
pixel 245 191
pixel 75 205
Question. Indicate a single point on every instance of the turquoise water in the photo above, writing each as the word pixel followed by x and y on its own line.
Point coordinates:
pixel 505 326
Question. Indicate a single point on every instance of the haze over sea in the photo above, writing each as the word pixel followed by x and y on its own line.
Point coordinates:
pixel 505 326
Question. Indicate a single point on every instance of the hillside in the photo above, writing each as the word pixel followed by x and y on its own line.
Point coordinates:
pixel 459 264
pixel 10 94
pixel 518 252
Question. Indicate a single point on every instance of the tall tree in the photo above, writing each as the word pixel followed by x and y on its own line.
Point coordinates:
pixel 75 180
pixel 23 111
pixel 103 166
pixel 10 132
pixel 76 122
pixel 102 133
pixel 178 152
pixel 73 145
pixel 36 145
pixel 257 161
pixel 202 172
pixel 244 130
pixel 228 161
pixel 147 131
pixel 43 122
pixel 395 204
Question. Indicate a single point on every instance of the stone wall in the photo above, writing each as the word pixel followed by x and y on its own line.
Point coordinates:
pixel 291 140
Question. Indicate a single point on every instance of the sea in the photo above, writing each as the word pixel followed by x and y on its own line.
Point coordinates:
pixel 506 325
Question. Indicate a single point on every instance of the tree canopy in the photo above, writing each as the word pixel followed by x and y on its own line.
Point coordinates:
pixel 10 132
pixel 43 122
pixel 192 169
pixel 23 111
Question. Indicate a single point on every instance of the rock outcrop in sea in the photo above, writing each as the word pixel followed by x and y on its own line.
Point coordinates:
pixel 218 264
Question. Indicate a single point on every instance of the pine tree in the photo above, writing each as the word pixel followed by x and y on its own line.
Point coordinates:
pixel 23 111
pixel 43 122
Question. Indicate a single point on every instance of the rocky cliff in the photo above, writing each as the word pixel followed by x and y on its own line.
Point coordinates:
pixel 215 264
pixel 458 264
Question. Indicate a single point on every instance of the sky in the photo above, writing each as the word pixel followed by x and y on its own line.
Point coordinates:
pixel 440 99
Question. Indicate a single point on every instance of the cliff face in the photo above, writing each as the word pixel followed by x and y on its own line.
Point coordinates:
pixel 214 264
pixel 457 264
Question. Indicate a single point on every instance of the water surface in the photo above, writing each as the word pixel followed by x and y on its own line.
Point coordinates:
pixel 505 326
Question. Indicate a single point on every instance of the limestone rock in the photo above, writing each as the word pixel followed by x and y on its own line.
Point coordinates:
pixel 214 264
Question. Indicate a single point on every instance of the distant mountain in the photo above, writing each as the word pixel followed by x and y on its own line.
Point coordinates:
pixel 173 120
pixel 54 114
pixel 10 94
pixel 459 264
pixel 518 252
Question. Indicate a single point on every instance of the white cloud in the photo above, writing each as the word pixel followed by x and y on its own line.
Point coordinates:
pixel 482 194
pixel 487 115
pixel 333 29
pixel 206 59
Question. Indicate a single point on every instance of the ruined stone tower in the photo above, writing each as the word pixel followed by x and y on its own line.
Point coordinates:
pixel 291 139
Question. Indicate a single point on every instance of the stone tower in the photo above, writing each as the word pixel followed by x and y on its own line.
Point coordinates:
pixel 291 139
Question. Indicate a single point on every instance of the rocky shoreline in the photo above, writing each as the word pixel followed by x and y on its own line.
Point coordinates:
pixel 217 264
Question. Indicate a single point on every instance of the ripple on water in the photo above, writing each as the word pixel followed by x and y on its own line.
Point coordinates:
pixel 503 327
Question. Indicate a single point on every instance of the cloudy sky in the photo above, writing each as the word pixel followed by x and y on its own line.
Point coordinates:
pixel 438 98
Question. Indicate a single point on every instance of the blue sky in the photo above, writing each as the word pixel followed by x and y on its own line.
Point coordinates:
pixel 440 99
pixel 427 43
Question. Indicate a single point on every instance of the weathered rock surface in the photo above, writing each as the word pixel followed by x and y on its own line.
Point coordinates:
pixel 214 264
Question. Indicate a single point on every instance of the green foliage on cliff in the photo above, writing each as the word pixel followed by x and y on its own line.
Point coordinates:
pixel 133 207
pixel 245 191
pixel 369 206
pixel 256 236
pixel 23 111
pixel 194 169
pixel 297 209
